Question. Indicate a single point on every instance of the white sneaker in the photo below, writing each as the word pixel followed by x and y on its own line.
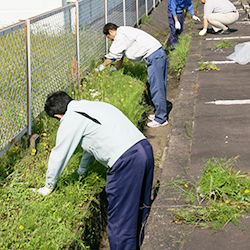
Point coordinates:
pixel 155 124
pixel 151 117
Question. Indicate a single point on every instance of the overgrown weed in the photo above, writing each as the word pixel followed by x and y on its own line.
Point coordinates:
pixel 178 56
pixel 223 44
pixel 206 66
pixel 27 219
pixel 220 196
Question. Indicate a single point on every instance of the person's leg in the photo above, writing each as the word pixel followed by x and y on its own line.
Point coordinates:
pixel 145 201
pixel 128 187
pixel 215 19
pixel 157 79
pixel 180 19
pixel 221 21
pixel 172 31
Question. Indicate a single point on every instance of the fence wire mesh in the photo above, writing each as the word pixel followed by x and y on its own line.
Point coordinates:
pixel 115 12
pixel 150 4
pixel 130 10
pixel 141 8
pixel 13 88
pixel 91 38
pixel 53 50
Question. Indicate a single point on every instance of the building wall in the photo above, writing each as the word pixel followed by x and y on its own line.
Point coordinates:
pixel 12 11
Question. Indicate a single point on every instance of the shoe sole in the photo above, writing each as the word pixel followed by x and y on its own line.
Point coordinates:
pixel 161 125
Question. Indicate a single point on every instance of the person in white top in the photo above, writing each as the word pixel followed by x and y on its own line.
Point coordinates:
pixel 139 46
pixel 220 14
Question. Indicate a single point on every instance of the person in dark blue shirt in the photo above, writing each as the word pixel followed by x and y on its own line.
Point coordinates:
pixel 175 18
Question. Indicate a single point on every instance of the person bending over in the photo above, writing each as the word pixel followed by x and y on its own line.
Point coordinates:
pixel 107 135
pixel 139 46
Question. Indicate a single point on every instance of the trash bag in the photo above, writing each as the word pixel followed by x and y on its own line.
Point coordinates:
pixel 241 53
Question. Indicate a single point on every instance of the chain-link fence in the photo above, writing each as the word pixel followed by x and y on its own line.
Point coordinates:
pixel 37 55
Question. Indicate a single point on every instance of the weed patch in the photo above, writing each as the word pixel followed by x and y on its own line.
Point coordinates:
pixel 221 196
pixel 205 66
pixel 30 221
pixel 178 56
pixel 223 44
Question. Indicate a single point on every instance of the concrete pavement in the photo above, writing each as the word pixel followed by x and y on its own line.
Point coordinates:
pixel 202 129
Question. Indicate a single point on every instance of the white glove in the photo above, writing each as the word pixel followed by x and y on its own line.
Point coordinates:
pixel 203 32
pixel 196 18
pixel 44 190
pixel 177 25
pixel 101 67
pixel 81 171
pixel 112 70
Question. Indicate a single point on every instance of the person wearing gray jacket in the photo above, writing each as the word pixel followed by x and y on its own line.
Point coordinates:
pixel 107 135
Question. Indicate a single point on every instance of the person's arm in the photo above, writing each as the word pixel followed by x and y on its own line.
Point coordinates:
pixel 172 8
pixel 66 142
pixel 85 161
pixel 175 19
pixel 205 23
pixel 190 8
pixel 116 53
pixel 107 62
pixel 205 26
pixel 191 11
pixel 58 160
pixel 119 63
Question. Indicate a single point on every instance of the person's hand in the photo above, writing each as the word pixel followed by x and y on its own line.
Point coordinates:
pixel 177 25
pixel 81 171
pixel 112 70
pixel 101 67
pixel 203 32
pixel 44 190
pixel 196 18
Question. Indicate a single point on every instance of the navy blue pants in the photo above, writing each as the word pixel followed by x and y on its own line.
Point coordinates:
pixel 128 190
pixel 157 68
pixel 173 32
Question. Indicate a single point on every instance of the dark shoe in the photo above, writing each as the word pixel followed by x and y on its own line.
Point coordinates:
pixel 215 32
pixel 224 32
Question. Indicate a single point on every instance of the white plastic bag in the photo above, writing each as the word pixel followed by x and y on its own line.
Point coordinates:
pixel 241 53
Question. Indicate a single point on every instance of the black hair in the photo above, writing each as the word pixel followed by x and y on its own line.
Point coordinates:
pixel 57 103
pixel 109 26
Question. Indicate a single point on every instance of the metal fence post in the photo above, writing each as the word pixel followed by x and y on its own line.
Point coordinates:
pixel 146 6
pixel 137 12
pixel 106 21
pixel 77 36
pixel 124 12
pixel 28 69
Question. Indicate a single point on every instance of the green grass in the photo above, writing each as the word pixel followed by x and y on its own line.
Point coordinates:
pixel 27 219
pixel 178 56
pixel 206 66
pixel 223 44
pixel 220 196
pixel 146 20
